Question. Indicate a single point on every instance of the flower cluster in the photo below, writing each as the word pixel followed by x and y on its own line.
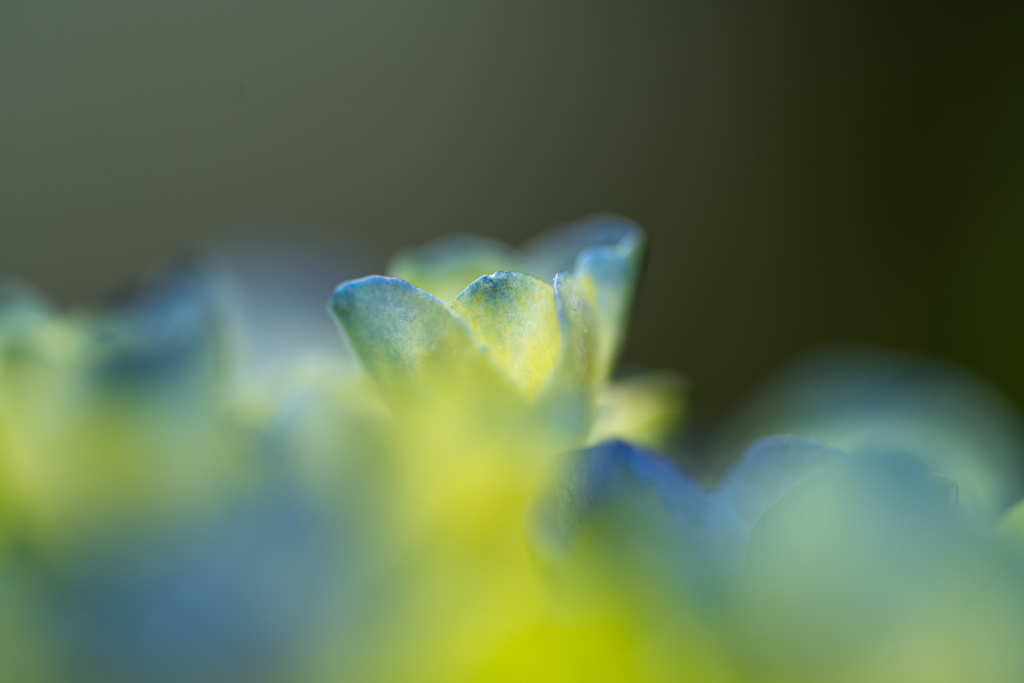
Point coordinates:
pixel 201 480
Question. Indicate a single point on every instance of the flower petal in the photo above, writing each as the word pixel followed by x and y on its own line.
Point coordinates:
pixel 568 398
pixel 606 255
pixel 19 300
pixel 604 252
pixel 446 266
pixel 644 409
pixel 856 558
pixel 405 337
pixel 270 294
pixel 858 398
pixel 618 471
pixel 1011 526
pixel 514 316
pixel 770 468
pixel 608 275
pixel 884 492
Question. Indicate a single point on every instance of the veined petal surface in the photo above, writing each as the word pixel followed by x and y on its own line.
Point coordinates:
pixel 406 338
pixel 515 317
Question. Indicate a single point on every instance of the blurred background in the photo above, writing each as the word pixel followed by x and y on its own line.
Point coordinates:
pixel 809 172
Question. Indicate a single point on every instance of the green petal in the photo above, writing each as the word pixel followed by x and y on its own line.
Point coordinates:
pixel 447 266
pixel 405 337
pixel 514 316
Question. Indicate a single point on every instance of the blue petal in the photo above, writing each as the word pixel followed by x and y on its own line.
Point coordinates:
pixel 609 275
pixel 616 471
pixel 406 338
pixel 234 602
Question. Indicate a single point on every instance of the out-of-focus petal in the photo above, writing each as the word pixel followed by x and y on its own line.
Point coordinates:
pixel 879 491
pixel 115 408
pixel 716 524
pixel 768 469
pixel 860 556
pixel 1011 526
pixel 152 333
pixel 645 409
pixel 615 472
pixel 446 266
pixel 853 399
pixel 563 246
pixel 28 653
pixel 233 599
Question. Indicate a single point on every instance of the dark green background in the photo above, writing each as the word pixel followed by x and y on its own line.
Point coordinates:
pixel 809 172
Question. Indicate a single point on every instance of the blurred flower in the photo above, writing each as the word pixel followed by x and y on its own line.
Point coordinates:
pixel 200 481
pixel 809 563
pixel 154 527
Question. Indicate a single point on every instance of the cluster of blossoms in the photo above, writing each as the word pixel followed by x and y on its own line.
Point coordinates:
pixel 202 481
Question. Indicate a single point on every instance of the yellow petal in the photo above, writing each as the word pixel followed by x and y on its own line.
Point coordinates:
pixel 514 316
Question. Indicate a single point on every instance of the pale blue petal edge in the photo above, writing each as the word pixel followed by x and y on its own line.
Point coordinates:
pixel 398 329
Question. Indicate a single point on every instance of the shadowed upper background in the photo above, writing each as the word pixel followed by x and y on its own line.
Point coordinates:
pixel 808 174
